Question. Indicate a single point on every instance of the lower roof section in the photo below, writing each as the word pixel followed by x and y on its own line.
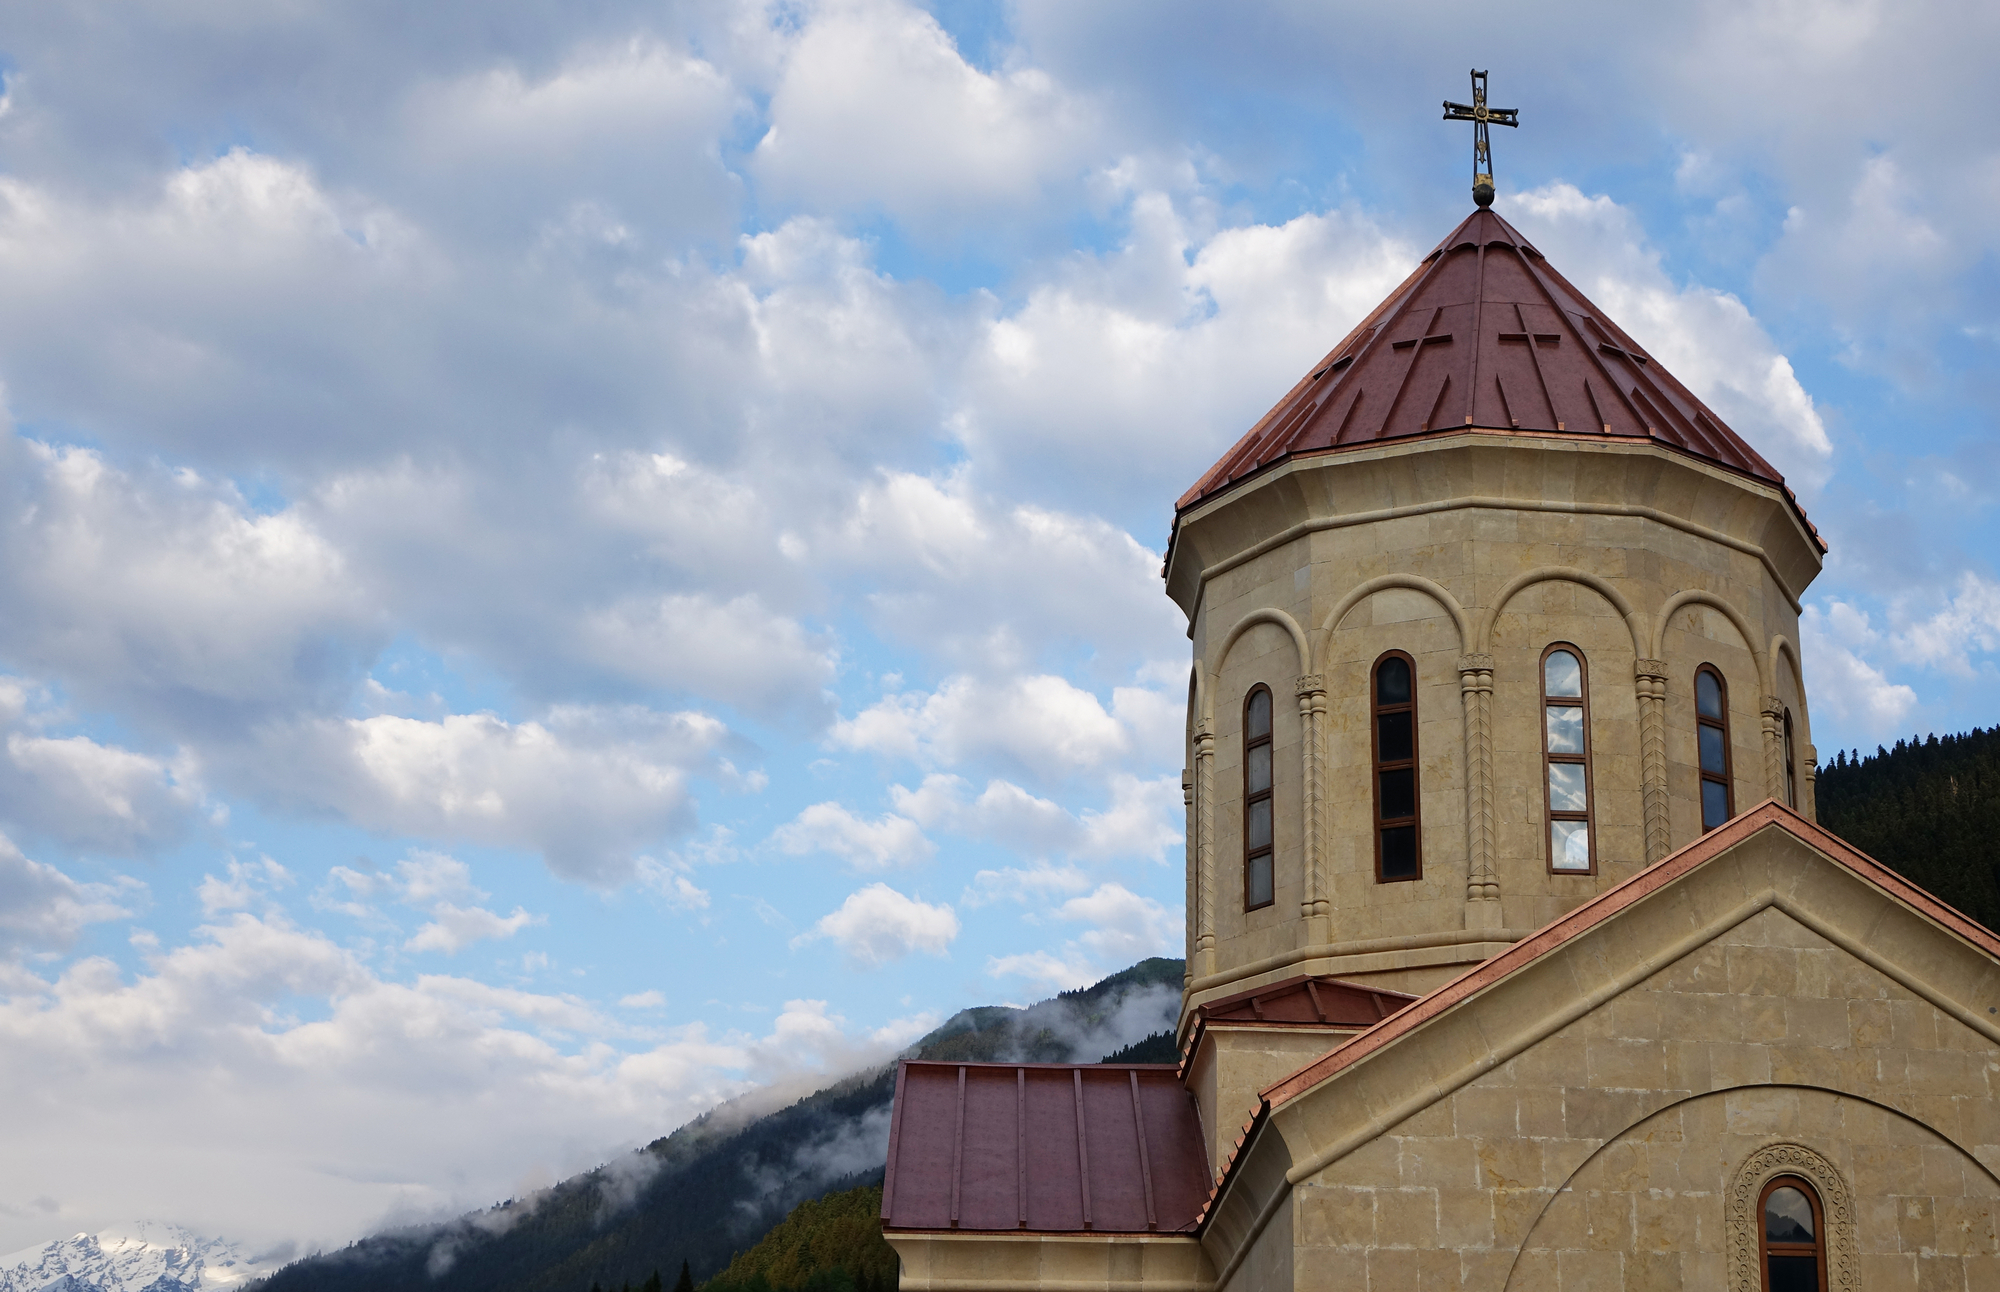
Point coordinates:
pixel 1044 1148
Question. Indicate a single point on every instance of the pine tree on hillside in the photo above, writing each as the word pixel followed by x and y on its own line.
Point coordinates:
pixel 685 1283
pixel 1928 809
pixel 652 1283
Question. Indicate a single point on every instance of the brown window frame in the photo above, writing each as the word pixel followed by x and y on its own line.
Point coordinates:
pixel 1791 766
pixel 1269 851
pixel 1415 821
pixel 1727 778
pixel 1549 815
pixel 1766 1249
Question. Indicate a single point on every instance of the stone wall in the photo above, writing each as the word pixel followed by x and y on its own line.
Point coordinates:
pixel 1603 1155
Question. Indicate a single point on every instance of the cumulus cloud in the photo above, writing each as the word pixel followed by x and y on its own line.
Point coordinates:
pixel 42 909
pixel 1968 621
pixel 87 795
pixel 1139 820
pixel 440 886
pixel 205 1046
pixel 1842 683
pixel 1037 722
pixel 1705 337
pixel 1126 375
pixel 875 107
pixel 877 924
pixel 585 787
pixel 887 841
pixel 1125 927
pixel 168 597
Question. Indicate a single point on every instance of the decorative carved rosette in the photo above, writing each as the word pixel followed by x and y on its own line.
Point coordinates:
pixel 1836 1206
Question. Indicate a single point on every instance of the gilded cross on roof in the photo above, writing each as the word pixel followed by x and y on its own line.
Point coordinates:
pixel 1482 151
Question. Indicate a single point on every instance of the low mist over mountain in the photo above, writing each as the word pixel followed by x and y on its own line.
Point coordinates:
pixel 714 1186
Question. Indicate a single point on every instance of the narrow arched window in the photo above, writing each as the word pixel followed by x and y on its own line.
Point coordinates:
pixel 1257 799
pixel 1711 731
pixel 1398 853
pixel 1794 1236
pixel 1791 767
pixel 1566 756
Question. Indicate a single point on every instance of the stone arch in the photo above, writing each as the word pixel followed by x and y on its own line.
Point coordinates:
pixel 1782 648
pixel 1265 615
pixel 1634 623
pixel 1383 583
pixel 1695 597
pixel 1751 1164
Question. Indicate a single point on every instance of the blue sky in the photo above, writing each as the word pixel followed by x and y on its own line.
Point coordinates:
pixel 562 562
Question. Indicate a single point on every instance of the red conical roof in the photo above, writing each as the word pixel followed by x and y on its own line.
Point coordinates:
pixel 1485 334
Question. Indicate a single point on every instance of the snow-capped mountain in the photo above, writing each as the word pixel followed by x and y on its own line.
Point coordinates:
pixel 146 1257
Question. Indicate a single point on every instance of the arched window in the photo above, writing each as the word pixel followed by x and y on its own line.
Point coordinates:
pixel 1793 1236
pixel 1711 732
pixel 1566 756
pixel 1257 798
pixel 1398 853
pixel 1791 767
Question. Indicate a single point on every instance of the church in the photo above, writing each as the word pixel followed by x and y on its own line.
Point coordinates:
pixel 1515 959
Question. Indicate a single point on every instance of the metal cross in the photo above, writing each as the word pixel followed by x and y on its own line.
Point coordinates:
pixel 1482 151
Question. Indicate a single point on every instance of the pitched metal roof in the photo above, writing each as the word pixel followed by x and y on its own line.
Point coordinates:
pixel 1486 335
pixel 1052 1148
pixel 1307 999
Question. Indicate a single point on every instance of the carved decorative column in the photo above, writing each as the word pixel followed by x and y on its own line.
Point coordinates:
pixel 1774 747
pixel 1482 883
pixel 1192 896
pixel 1650 681
pixel 1204 813
pixel 1809 807
pixel 1312 819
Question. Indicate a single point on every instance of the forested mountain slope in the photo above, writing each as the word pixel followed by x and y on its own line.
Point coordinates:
pixel 1928 809
pixel 711 1188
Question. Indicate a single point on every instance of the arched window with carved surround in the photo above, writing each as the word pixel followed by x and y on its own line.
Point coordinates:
pixel 1792 1229
pixel 1257 886
pixel 1393 734
pixel 1711 732
pixel 1566 789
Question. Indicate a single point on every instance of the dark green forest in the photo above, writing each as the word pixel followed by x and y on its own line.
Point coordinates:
pixel 1929 809
pixel 832 1244
pixel 712 1189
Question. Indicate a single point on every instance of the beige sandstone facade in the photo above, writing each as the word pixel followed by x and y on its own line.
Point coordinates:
pixel 1472 553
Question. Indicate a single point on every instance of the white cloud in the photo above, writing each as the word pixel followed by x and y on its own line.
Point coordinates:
pixel 1139 821
pixel 1125 927
pixel 874 107
pixel 1705 337
pixel 42 909
pixel 1042 722
pixel 168 596
pixel 197 1069
pixel 654 999
pixel 1968 621
pixel 98 797
pixel 887 841
pixel 877 924
pixel 453 928
pixel 735 649
pixel 586 787
pixel 1121 378
pixel 1037 884
pixel 1841 682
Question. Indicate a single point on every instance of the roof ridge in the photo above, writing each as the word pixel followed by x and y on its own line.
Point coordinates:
pixel 1612 901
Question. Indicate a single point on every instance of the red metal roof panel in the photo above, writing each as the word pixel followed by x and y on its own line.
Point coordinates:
pixel 1057 1148
pixel 1484 335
